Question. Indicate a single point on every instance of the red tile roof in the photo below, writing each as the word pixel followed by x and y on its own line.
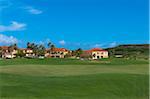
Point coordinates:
pixel 47 49
pixel 60 49
pixel 25 49
pixel 95 49
pixel 4 47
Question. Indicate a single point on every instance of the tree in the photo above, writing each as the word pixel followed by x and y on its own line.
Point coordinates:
pixel 52 47
pixel 49 44
pixel 73 53
pixel 28 45
pixel 78 52
pixel 41 50
pixel 20 53
pixel 86 55
pixel 34 47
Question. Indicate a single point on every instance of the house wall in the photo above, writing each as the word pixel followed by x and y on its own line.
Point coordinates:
pixel 56 54
pixel 8 54
pixel 99 54
pixel 28 53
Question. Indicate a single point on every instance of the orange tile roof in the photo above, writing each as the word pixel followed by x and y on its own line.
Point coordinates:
pixel 47 49
pixel 25 49
pixel 4 47
pixel 95 49
pixel 60 49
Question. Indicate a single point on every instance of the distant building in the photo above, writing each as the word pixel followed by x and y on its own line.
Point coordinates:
pixel 6 52
pixel 119 56
pixel 95 53
pixel 28 52
pixel 56 52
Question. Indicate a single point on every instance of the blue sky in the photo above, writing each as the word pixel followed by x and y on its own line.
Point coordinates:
pixel 74 23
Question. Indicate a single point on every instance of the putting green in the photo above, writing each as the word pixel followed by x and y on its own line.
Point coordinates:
pixel 71 70
pixel 74 82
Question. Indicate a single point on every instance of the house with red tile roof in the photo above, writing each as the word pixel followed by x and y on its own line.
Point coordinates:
pixel 56 52
pixel 28 52
pixel 95 53
pixel 7 52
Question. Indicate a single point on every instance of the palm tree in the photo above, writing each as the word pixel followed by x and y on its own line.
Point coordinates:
pixel 78 52
pixel 41 50
pixel 20 53
pixel 28 45
pixel 52 46
pixel 33 46
pixel 49 44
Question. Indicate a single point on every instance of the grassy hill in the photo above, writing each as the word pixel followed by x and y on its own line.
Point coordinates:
pixel 133 51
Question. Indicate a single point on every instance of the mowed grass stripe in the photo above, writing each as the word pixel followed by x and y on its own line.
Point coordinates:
pixel 67 70
pixel 57 61
pixel 97 86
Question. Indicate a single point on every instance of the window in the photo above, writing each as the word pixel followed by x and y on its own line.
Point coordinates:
pixel 94 55
pixel 57 56
pixel 97 57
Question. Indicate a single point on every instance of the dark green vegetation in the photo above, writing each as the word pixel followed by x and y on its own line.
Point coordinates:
pixel 132 51
pixel 73 79
pixel 66 61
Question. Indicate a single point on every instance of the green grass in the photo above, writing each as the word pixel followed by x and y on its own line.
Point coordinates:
pixel 69 70
pixel 74 79
pixel 56 61
pixel 101 86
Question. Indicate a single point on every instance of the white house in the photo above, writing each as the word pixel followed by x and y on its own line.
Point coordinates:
pixel 56 53
pixel 96 53
pixel 28 52
pixel 7 53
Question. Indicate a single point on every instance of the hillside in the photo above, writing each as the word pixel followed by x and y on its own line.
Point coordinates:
pixel 133 51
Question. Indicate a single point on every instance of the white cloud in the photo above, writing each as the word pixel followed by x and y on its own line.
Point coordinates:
pixel 41 42
pixel 32 10
pixel 113 44
pixel 62 42
pixel 98 45
pixel 47 40
pixel 14 26
pixel 7 39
